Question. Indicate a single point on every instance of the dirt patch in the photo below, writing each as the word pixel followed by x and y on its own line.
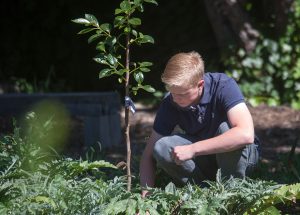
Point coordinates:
pixel 277 127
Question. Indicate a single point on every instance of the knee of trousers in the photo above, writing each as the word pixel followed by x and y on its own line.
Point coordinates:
pixel 223 127
pixel 162 150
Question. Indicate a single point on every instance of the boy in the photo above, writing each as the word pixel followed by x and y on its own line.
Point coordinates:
pixel 218 127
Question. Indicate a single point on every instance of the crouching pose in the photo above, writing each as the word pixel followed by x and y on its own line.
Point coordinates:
pixel 217 127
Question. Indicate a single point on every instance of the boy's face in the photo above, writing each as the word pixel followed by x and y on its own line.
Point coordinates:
pixel 185 97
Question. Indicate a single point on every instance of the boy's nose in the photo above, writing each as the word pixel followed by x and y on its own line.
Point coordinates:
pixel 177 99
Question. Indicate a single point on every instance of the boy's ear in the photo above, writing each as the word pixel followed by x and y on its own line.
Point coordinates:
pixel 201 83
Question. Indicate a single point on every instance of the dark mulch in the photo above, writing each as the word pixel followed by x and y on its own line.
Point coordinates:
pixel 277 127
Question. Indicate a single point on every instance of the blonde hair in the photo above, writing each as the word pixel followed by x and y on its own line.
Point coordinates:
pixel 183 69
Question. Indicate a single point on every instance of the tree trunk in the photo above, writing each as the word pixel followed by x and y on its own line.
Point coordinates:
pixel 282 8
pixel 127 125
pixel 231 24
pixel 223 33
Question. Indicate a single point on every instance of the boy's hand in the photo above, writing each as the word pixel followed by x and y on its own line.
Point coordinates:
pixel 182 153
pixel 145 193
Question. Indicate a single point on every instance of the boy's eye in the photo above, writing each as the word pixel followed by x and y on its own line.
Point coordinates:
pixel 180 95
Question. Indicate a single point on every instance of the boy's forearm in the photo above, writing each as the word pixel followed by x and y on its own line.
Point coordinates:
pixel 147 170
pixel 229 141
pixel 147 165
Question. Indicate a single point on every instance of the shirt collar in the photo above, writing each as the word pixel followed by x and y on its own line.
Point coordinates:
pixel 206 95
pixel 205 98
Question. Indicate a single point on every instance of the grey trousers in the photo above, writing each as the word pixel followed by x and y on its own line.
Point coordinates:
pixel 236 163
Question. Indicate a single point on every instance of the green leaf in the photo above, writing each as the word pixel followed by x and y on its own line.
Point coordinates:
pixel 137 2
pixel 111 41
pixel 271 210
pixel 122 71
pixel 139 77
pixel 135 21
pixel 81 21
pixel 119 21
pixel 286 48
pixel 44 199
pixel 84 31
pixel 151 1
pixel 127 30
pixel 273 58
pixel 93 38
pixel 100 46
pixel 272 102
pixel 171 188
pixel 147 39
pixel 141 8
pixel 104 73
pixel 148 88
pixel 141 34
pixel 131 206
pixel 125 5
pixel 92 19
pixel 101 60
pixel 134 33
pixel 118 11
pixel 106 27
pixel 112 60
pixel 152 210
pixel 270 68
pixel 100 164
pixel 145 63
pixel 144 69
pixel 116 207
pixel 241 53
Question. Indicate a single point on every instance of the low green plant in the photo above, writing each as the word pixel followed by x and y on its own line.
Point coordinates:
pixel 19 153
pixel 67 186
pixel 233 196
pixel 35 181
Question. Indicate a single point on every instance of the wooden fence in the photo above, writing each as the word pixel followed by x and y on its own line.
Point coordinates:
pixel 100 111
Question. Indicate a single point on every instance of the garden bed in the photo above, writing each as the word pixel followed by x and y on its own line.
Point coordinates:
pixel 33 180
pixel 277 127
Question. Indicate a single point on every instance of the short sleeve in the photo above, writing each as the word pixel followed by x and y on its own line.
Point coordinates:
pixel 166 118
pixel 230 94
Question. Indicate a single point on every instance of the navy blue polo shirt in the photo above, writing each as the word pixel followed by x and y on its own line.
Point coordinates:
pixel 202 120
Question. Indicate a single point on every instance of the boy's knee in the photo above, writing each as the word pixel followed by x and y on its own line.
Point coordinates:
pixel 223 127
pixel 238 163
pixel 161 150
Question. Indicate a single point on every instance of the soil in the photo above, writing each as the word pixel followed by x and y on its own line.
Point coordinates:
pixel 278 128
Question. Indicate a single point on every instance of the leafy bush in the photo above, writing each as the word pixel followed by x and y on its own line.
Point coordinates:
pixel 34 180
pixel 233 196
pixel 271 73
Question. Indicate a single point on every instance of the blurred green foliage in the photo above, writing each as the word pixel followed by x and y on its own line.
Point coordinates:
pixel 271 73
pixel 39 138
